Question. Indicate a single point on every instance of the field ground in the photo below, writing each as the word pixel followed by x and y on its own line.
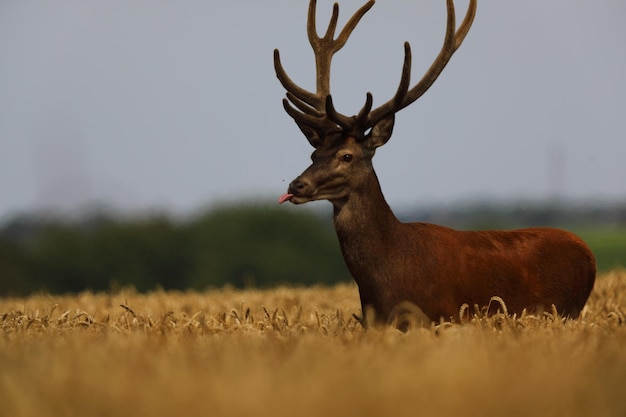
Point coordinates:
pixel 300 352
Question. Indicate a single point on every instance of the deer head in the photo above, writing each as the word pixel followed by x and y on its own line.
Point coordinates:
pixel 344 145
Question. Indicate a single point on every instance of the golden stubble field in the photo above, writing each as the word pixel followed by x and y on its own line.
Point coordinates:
pixel 300 352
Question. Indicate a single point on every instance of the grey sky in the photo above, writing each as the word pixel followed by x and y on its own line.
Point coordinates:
pixel 174 104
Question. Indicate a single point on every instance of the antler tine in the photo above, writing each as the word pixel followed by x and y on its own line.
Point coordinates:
pixel 303 106
pixel 312 26
pixel 344 121
pixel 405 78
pixel 300 117
pixel 351 24
pixel 452 41
pixel 311 121
pixel 299 92
pixel 466 24
pixel 362 116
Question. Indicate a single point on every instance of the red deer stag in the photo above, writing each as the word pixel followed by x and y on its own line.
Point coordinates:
pixel 433 267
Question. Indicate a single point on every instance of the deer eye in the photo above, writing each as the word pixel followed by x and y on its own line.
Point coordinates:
pixel 347 157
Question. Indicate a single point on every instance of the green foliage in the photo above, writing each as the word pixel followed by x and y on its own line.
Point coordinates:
pixel 607 244
pixel 15 269
pixel 239 245
pixel 263 246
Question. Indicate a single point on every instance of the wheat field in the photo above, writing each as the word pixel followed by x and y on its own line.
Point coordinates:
pixel 301 352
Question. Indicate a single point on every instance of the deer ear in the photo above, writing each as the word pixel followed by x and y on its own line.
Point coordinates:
pixel 381 131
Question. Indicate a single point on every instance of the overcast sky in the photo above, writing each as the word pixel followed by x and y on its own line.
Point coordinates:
pixel 173 105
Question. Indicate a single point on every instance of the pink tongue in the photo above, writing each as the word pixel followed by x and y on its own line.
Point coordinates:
pixel 284 197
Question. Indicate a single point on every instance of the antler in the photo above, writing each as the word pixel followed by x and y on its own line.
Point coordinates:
pixel 452 41
pixel 313 106
pixel 316 110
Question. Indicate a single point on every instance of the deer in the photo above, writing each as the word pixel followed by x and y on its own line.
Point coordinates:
pixel 434 268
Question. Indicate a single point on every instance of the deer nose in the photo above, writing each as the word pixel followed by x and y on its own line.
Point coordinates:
pixel 298 186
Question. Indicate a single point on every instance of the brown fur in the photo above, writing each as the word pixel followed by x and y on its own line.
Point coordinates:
pixel 439 269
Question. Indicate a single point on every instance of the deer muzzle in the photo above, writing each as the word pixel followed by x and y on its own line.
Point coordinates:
pixel 297 189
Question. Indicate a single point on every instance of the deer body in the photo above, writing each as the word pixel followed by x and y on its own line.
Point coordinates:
pixel 439 269
pixel 435 268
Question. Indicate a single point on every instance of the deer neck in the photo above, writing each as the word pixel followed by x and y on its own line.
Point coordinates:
pixel 368 234
pixel 364 222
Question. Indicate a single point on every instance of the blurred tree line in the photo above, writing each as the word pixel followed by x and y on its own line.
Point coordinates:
pixel 243 245
pixel 239 245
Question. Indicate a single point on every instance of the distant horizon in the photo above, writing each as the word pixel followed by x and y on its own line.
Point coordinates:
pixel 320 207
